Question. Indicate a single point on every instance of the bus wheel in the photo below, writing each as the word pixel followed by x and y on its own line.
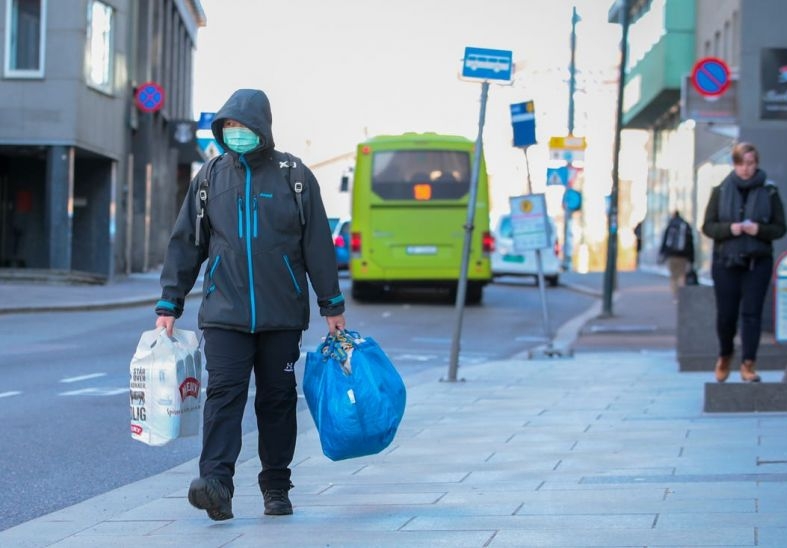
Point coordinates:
pixel 475 292
pixel 364 291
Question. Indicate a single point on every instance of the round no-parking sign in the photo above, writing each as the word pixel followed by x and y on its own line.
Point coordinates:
pixel 149 97
pixel 710 77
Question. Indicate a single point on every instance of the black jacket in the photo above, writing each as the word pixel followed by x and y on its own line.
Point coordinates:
pixel 259 254
pixel 762 205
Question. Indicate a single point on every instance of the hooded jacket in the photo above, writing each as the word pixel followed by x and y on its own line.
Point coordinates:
pixel 259 253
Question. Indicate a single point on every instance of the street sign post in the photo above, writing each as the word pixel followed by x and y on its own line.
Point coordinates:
pixel 481 65
pixel 530 231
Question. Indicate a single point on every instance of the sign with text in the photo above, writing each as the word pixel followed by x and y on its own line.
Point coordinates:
pixel 523 120
pixel 529 225
pixel 773 82
pixel 722 109
pixel 568 149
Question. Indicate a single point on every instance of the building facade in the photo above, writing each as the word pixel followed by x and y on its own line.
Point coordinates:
pixel 92 94
pixel 689 135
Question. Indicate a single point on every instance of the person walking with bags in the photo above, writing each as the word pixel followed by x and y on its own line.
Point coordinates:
pixel 257 217
pixel 677 250
pixel 744 216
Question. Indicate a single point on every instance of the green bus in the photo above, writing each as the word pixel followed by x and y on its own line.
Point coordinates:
pixel 410 198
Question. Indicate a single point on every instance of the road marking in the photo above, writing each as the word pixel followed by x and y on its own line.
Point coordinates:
pixel 414 357
pixel 83 377
pixel 11 393
pixel 95 392
pixel 436 340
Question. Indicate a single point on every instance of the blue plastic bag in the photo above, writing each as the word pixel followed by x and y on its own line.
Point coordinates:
pixel 355 396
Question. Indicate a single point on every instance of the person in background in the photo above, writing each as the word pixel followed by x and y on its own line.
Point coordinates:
pixel 638 237
pixel 744 216
pixel 255 304
pixel 677 250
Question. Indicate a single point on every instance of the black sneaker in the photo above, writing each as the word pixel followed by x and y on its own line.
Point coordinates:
pixel 277 503
pixel 213 496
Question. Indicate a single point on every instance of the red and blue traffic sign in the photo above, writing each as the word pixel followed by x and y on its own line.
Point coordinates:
pixel 710 77
pixel 149 97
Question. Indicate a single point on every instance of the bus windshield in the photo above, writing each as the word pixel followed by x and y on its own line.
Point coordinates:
pixel 421 174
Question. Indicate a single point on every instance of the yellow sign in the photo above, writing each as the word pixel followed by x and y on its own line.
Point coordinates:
pixel 568 143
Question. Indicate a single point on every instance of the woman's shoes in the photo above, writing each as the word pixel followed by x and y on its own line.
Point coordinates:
pixel 723 368
pixel 748 374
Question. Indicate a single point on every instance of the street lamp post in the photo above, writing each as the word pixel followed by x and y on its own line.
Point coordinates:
pixel 612 219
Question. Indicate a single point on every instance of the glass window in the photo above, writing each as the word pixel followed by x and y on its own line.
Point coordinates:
pixel 99 45
pixel 421 174
pixel 24 51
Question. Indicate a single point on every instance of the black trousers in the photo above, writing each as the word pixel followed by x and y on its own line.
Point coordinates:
pixel 741 290
pixel 230 358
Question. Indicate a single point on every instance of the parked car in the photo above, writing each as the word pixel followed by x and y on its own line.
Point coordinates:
pixel 507 262
pixel 340 228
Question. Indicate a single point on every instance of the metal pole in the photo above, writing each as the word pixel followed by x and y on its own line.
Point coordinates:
pixel 572 70
pixel 612 220
pixel 572 87
pixel 529 182
pixel 462 285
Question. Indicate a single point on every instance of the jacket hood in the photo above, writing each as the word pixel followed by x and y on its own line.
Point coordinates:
pixel 251 108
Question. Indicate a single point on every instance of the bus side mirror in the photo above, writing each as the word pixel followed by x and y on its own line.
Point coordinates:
pixel 344 186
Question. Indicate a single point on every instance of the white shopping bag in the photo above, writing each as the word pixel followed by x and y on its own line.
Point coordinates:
pixel 165 389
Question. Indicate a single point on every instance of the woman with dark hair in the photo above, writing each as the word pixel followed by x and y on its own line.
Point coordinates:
pixel 743 217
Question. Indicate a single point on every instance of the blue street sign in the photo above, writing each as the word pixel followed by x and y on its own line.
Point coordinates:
pixel 205 119
pixel 523 120
pixel 205 139
pixel 557 176
pixel 488 64
pixel 572 200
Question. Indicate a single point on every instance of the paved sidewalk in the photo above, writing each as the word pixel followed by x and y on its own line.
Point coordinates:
pixel 607 448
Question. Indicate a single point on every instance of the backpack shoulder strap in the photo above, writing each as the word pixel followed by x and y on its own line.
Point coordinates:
pixel 296 176
pixel 202 195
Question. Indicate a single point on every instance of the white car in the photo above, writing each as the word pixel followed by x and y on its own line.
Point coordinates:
pixel 507 262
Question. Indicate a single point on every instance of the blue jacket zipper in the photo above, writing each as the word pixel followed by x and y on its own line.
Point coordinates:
pixel 240 216
pixel 249 264
pixel 255 216
pixel 211 272
pixel 292 275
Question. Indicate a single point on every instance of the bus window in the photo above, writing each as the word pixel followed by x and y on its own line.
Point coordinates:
pixel 395 174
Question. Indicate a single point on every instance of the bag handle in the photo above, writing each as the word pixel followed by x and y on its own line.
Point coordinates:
pixel 337 346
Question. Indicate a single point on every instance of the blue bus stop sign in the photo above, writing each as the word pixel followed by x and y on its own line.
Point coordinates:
pixel 488 64
pixel 523 120
pixel 710 77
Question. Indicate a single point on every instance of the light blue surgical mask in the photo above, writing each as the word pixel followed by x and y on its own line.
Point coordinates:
pixel 240 139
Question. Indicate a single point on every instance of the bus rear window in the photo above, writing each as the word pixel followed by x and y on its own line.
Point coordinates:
pixel 421 174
